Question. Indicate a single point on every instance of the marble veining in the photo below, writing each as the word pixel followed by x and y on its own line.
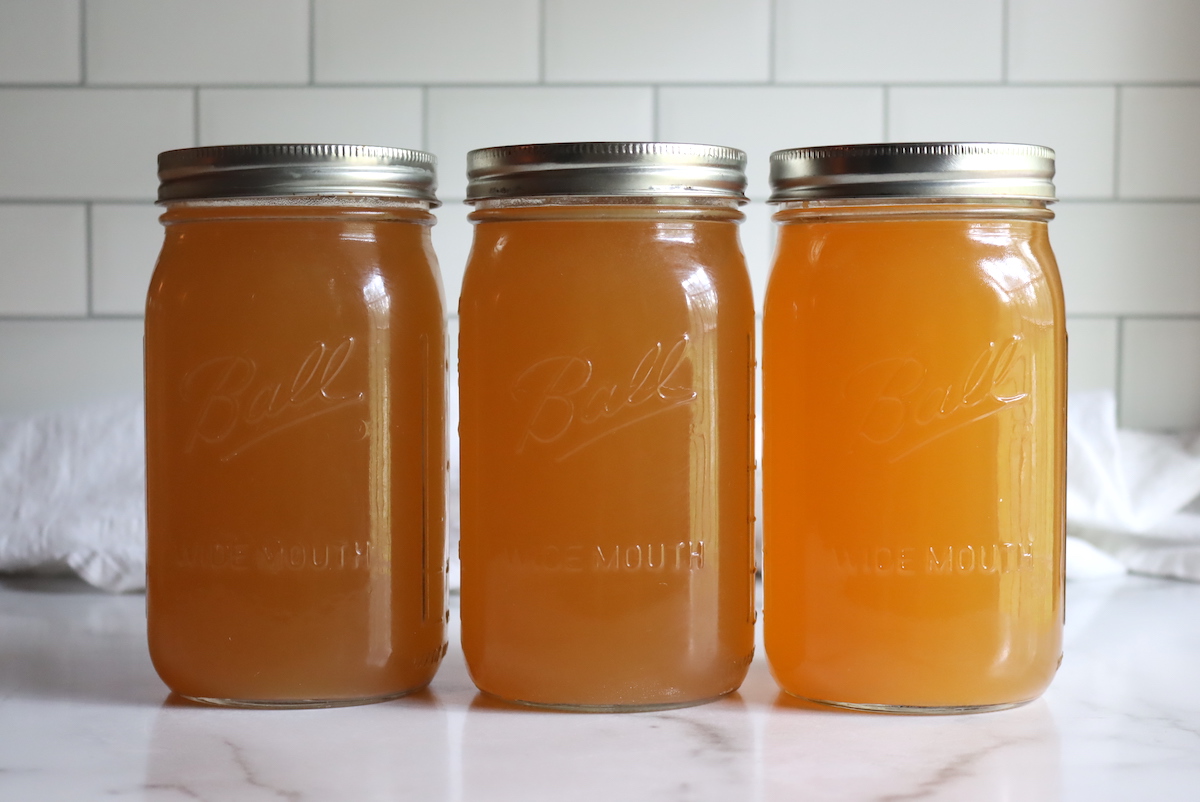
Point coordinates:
pixel 83 716
pixel 960 768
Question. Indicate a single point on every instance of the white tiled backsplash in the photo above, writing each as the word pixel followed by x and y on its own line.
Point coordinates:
pixel 91 90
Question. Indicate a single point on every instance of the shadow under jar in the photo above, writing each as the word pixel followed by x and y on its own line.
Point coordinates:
pixel 295 426
pixel 606 362
pixel 914 427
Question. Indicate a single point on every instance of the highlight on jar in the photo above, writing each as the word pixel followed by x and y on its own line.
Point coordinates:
pixel 295 426
pixel 914 427
pixel 606 373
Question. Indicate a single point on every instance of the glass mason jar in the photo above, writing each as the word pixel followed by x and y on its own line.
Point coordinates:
pixel 295 426
pixel 606 364
pixel 914 427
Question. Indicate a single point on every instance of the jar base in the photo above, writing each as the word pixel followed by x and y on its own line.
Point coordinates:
pixel 913 710
pixel 299 704
pixel 615 708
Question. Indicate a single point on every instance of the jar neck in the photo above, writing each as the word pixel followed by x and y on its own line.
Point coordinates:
pixel 301 207
pixel 592 207
pixel 886 209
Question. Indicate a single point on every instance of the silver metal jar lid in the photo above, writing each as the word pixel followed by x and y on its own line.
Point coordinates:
pixel 914 170
pixel 264 171
pixel 636 169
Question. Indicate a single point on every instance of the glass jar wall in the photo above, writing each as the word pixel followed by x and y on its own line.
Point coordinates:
pixel 914 400
pixel 606 363
pixel 295 427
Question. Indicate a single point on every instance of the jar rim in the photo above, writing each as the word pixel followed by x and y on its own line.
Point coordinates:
pixel 626 169
pixel 281 170
pixel 967 170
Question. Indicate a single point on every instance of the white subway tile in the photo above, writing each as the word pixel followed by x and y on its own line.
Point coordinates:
pixel 689 41
pixel 416 41
pixel 78 144
pixel 344 116
pixel 126 239
pixel 758 242
pixel 1092 353
pixel 1160 374
pixel 888 41
pixel 1077 122
pixel 452 244
pixel 50 364
pixel 43 270
pixel 1103 40
pixel 88 143
pixel 39 41
pixel 1160 142
pixel 760 120
pixel 1129 258
pixel 185 42
pixel 464 119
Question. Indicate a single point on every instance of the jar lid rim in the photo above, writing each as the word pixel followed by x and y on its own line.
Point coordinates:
pixel 606 168
pixel 290 169
pixel 914 169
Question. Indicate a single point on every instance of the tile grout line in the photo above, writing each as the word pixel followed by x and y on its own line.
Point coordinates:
pixel 655 124
pixel 82 42
pixel 1140 316
pixel 612 84
pixel 772 39
pixel 88 261
pixel 425 120
pixel 1118 101
pixel 9 318
pixel 1118 377
pixel 541 54
pixel 1004 40
pixel 887 113
pixel 1192 199
pixel 74 201
pixel 312 42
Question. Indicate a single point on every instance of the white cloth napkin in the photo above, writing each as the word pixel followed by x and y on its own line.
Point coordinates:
pixel 1129 495
pixel 72 494
pixel 73 490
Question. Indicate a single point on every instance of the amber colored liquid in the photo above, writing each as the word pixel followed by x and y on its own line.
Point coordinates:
pixel 914 435
pixel 295 417
pixel 606 375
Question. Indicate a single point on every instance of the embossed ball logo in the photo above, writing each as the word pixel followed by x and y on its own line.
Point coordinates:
pixel 575 402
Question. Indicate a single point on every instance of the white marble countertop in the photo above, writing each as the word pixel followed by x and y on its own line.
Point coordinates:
pixel 83 717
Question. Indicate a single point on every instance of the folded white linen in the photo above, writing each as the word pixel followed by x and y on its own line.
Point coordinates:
pixel 1129 494
pixel 72 493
